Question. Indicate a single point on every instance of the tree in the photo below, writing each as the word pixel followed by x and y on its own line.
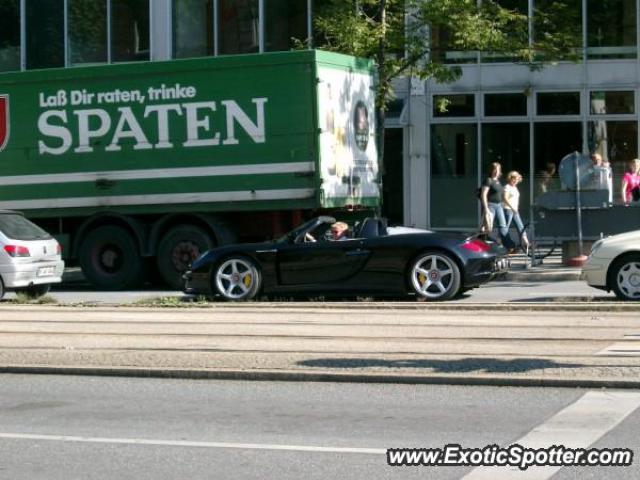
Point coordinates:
pixel 409 37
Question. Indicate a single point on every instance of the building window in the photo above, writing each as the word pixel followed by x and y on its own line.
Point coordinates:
pixel 9 35
pixel 521 7
pixel 45 33
pixel 611 28
pixel 453 105
pixel 558 103
pixel 87 25
pixel 607 103
pixel 238 26
pixel 552 141
pixel 454 170
pixel 443 49
pixel 129 30
pixel 617 142
pixel 505 104
pixel 192 28
pixel 559 18
pixel 508 144
pixel 285 22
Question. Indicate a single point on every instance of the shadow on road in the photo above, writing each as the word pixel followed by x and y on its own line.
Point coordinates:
pixel 489 365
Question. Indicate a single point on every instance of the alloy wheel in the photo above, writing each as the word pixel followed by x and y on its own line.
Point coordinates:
pixel 435 276
pixel 237 279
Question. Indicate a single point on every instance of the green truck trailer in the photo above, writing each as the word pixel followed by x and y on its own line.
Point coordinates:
pixel 137 168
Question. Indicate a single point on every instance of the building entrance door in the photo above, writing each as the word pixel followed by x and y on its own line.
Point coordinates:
pixel 392 177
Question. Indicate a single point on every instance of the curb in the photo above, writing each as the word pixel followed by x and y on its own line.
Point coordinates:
pixel 568 304
pixel 525 276
pixel 305 376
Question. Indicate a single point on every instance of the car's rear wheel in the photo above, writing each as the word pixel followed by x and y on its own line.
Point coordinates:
pixel 625 277
pixel 237 279
pixel 34 291
pixel 435 276
pixel 1 288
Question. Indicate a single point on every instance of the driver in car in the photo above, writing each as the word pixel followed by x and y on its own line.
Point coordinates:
pixel 339 231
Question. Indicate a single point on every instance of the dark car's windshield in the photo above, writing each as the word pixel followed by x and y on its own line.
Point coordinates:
pixel 305 227
pixel 17 227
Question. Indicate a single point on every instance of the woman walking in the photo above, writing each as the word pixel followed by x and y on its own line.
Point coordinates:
pixel 631 182
pixel 510 203
pixel 491 194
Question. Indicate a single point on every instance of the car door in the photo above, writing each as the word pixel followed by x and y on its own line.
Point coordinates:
pixel 325 263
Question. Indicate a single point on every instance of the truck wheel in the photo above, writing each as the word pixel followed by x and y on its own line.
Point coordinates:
pixel 178 248
pixel 237 278
pixel 435 276
pixel 35 291
pixel 109 259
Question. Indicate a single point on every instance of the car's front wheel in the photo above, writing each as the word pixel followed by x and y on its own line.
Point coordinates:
pixel 237 278
pixel 435 276
pixel 625 277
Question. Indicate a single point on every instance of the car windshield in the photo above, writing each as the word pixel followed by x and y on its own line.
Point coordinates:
pixel 305 227
pixel 17 227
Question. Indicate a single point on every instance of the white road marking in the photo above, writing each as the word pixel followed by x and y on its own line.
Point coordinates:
pixel 577 426
pixel 184 443
pixel 629 348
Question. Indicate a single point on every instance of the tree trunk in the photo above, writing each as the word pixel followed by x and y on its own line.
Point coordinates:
pixel 382 91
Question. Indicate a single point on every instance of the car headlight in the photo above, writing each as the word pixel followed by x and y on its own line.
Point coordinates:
pixel 596 246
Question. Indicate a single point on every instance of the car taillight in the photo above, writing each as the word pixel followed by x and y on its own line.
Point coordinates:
pixel 476 245
pixel 58 249
pixel 17 251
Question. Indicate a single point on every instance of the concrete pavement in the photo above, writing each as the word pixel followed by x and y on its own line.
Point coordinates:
pixel 371 343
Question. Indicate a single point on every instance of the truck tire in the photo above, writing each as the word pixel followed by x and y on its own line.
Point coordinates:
pixel 110 260
pixel 178 248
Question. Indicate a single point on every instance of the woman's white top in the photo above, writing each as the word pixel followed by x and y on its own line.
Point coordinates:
pixel 513 195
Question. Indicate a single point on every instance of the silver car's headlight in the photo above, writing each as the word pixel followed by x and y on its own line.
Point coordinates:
pixel 596 246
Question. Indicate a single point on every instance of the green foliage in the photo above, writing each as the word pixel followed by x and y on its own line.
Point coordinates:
pixel 173 302
pixel 25 299
pixel 410 37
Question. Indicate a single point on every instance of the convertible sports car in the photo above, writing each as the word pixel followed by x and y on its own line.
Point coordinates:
pixel 375 259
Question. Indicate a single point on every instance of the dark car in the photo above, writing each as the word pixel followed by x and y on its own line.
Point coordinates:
pixel 374 259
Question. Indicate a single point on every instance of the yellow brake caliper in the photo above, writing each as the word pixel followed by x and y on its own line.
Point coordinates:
pixel 247 280
pixel 422 278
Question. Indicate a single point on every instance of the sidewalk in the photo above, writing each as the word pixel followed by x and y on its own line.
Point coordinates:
pixel 249 342
pixel 551 269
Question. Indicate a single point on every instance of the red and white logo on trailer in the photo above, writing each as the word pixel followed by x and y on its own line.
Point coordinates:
pixel 4 121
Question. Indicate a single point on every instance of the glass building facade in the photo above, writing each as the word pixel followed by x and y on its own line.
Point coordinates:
pixel 37 34
pixel 526 120
pixel 434 160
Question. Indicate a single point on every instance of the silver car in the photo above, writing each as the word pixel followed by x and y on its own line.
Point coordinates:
pixel 30 258
pixel 614 264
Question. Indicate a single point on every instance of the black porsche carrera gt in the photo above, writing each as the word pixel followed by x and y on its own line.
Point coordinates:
pixel 374 259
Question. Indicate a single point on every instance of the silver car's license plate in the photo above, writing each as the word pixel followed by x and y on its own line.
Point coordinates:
pixel 45 271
